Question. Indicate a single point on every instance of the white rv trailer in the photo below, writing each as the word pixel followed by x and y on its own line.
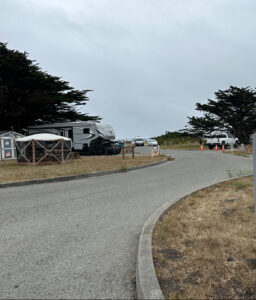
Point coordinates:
pixel 87 137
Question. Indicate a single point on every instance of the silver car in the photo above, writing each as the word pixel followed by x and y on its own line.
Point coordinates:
pixel 152 142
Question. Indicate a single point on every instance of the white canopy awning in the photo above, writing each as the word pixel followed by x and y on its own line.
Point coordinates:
pixel 43 137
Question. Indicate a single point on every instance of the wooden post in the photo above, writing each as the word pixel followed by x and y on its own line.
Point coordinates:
pixel 133 152
pixel 123 151
pixel 33 152
pixel 62 150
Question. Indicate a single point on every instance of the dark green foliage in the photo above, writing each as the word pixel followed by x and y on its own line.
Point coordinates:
pixel 234 110
pixel 203 125
pixel 29 96
pixel 176 137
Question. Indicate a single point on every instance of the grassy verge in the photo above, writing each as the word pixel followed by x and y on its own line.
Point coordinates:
pixel 181 147
pixel 11 171
pixel 248 151
pixel 239 153
pixel 205 246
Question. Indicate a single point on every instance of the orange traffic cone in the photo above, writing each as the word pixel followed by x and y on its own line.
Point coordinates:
pixel 223 148
pixel 202 148
pixel 216 148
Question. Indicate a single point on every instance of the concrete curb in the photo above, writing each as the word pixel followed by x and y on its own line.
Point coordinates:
pixel 79 176
pixel 147 285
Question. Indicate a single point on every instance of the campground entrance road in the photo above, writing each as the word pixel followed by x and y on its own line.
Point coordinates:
pixel 78 239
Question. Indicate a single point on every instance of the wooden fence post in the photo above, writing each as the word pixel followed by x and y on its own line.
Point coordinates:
pixel 62 150
pixel 123 151
pixel 33 152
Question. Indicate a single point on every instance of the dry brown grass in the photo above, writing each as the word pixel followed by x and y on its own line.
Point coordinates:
pixel 205 246
pixel 11 171
pixel 182 146
pixel 247 151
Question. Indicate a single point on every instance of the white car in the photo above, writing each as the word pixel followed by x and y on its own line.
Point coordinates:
pixel 152 142
pixel 138 141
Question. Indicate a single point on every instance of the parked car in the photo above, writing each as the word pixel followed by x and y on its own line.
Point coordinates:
pixel 152 142
pixel 221 139
pixel 138 141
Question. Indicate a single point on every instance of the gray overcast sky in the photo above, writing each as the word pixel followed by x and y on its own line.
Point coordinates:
pixel 148 61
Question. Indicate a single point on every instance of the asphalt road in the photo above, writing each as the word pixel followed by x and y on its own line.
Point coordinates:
pixel 78 239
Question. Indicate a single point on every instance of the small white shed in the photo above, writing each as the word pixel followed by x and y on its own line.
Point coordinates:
pixel 7 144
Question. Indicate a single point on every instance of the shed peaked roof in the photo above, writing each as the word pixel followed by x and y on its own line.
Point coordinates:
pixel 10 132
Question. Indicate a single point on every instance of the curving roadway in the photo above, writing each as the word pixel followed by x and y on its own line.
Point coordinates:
pixel 78 239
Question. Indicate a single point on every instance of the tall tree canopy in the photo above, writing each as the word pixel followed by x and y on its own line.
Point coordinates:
pixel 233 110
pixel 29 96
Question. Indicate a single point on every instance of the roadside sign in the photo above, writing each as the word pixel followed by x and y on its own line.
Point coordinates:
pixel 155 151
pixel 7 154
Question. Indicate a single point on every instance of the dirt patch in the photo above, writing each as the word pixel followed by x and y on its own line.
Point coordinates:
pixel 171 287
pixel 230 200
pixel 204 247
pixel 189 243
pixel 171 254
pixel 192 278
pixel 228 212
pixel 10 171
pixel 252 263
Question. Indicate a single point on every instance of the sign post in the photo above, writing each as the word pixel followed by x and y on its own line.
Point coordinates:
pixel 123 152
pixel 254 172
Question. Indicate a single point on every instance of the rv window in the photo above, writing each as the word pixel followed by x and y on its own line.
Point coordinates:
pixel 86 130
